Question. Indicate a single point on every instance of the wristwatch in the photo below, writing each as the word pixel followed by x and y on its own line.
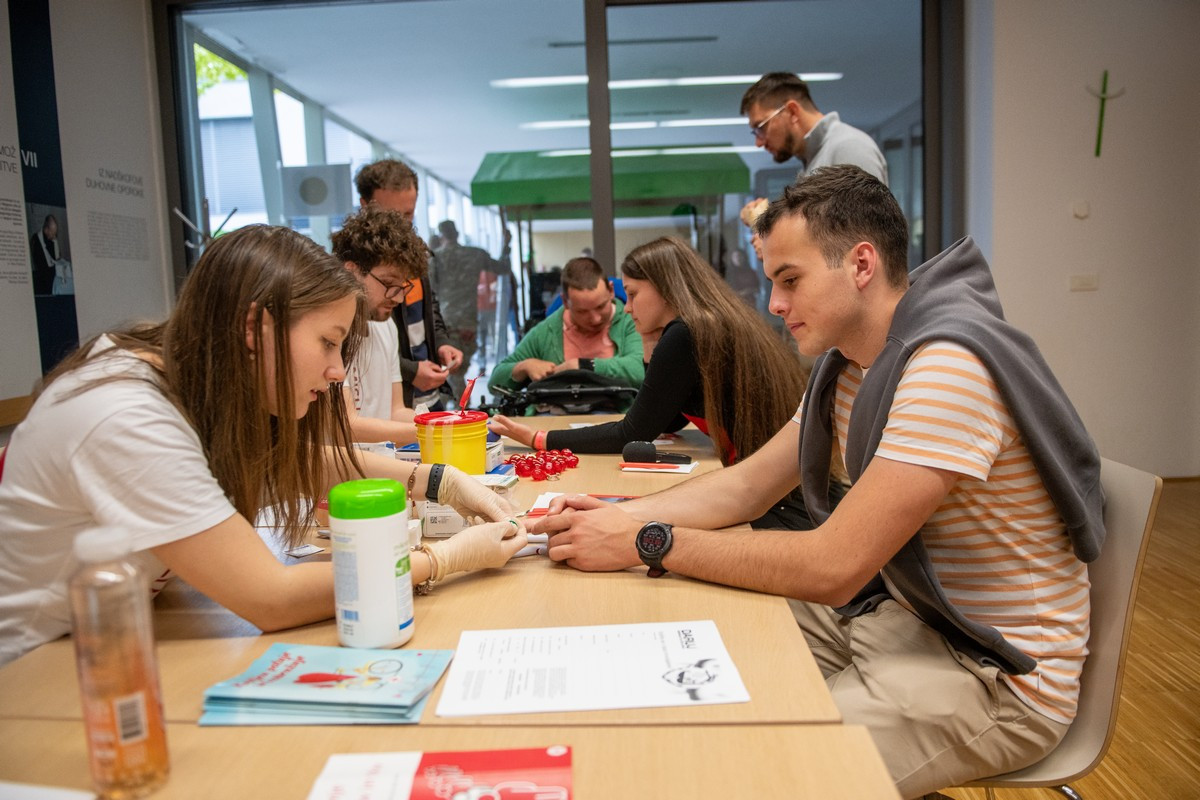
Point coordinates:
pixel 588 363
pixel 653 543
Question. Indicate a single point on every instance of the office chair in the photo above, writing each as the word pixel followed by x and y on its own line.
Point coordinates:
pixel 1129 509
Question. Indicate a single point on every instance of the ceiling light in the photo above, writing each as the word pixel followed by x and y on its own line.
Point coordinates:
pixel 656 151
pixel 699 123
pixel 528 83
pixel 650 83
pixel 553 124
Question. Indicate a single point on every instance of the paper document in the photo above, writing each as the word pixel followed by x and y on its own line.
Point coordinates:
pixel 643 665
pixel 676 469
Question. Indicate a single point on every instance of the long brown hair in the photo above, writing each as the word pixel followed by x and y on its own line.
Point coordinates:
pixel 752 382
pixel 206 369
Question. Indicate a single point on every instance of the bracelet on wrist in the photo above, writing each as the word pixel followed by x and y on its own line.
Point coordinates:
pixel 411 486
pixel 426 586
pixel 539 440
pixel 435 482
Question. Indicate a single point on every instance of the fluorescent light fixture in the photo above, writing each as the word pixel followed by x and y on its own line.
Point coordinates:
pixel 650 83
pixel 554 124
pixel 640 125
pixel 700 123
pixel 703 150
pixel 656 151
pixel 530 83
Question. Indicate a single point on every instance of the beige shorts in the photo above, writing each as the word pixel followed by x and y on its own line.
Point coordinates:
pixel 938 718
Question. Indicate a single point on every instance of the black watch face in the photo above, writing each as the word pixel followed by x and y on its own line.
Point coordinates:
pixel 653 539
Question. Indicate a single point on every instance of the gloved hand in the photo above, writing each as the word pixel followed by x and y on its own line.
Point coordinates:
pixel 471 498
pixel 479 547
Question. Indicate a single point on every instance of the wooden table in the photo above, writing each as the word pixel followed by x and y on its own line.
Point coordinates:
pixel 694 762
pixel 787 736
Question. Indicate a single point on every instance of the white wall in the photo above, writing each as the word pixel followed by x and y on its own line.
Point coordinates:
pixel 112 163
pixel 1129 353
pixel 108 120
pixel 555 248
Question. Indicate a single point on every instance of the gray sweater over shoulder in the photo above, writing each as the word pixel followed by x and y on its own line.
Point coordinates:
pixel 952 297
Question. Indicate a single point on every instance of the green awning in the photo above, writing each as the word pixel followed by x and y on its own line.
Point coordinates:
pixel 560 186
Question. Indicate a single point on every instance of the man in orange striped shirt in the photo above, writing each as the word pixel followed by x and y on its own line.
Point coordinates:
pixel 946 597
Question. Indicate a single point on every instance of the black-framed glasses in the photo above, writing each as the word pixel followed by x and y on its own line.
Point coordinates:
pixel 392 292
pixel 759 131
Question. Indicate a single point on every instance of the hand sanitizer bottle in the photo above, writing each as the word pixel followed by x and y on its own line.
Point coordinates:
pixel 118 672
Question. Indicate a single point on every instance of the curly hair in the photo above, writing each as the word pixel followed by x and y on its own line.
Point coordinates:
pixel 377 236
pixel 385 174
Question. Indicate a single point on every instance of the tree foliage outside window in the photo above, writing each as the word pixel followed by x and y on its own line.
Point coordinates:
pixel 211 69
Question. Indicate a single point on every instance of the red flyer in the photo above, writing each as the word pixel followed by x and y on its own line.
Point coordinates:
pixel 532 774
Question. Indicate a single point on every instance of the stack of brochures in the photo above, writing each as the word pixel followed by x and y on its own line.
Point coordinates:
pixel 293 684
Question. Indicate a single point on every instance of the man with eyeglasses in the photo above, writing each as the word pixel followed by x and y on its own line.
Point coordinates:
pixel 786 123
pixel 380 248
pixel 426 355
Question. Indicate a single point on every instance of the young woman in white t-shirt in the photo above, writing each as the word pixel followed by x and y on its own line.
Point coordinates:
pixel 181 432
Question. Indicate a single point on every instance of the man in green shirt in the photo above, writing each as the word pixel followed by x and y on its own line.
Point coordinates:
pixel 591 331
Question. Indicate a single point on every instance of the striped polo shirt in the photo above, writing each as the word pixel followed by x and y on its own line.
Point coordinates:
pixel 997 544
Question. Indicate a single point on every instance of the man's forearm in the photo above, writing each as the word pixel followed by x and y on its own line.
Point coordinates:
pixel 714 500
pixel 787 563
pixel 732 495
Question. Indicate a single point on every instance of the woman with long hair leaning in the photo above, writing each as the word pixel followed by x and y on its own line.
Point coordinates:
pixel 181 432
pixel 714 362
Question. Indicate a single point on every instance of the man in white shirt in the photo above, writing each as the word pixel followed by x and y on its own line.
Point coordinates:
pixel 380 247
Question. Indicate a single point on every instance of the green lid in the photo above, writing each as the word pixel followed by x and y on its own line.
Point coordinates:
pixel 366 499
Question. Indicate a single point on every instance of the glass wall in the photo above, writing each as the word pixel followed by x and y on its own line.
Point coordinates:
pixel 703 57
pixel 323 86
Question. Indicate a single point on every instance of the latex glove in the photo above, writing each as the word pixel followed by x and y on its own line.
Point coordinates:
pixel 484 546
pixel 471 498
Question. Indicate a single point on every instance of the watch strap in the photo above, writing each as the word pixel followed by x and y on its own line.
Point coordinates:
pixel 435 482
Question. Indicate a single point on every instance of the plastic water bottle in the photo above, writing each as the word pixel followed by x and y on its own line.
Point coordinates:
pixel 368 531
pixel 118 671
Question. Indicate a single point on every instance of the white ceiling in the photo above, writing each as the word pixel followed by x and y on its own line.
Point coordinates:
pixel 415 73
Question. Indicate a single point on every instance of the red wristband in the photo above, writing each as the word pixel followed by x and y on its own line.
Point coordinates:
pixel 539 440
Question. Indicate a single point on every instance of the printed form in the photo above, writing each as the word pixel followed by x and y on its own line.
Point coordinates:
pixel 588 668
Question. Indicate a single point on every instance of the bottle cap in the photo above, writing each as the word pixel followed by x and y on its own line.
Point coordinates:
pixel 367 499
pixel 103 544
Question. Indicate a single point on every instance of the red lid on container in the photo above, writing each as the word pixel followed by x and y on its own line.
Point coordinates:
pixel 450 417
